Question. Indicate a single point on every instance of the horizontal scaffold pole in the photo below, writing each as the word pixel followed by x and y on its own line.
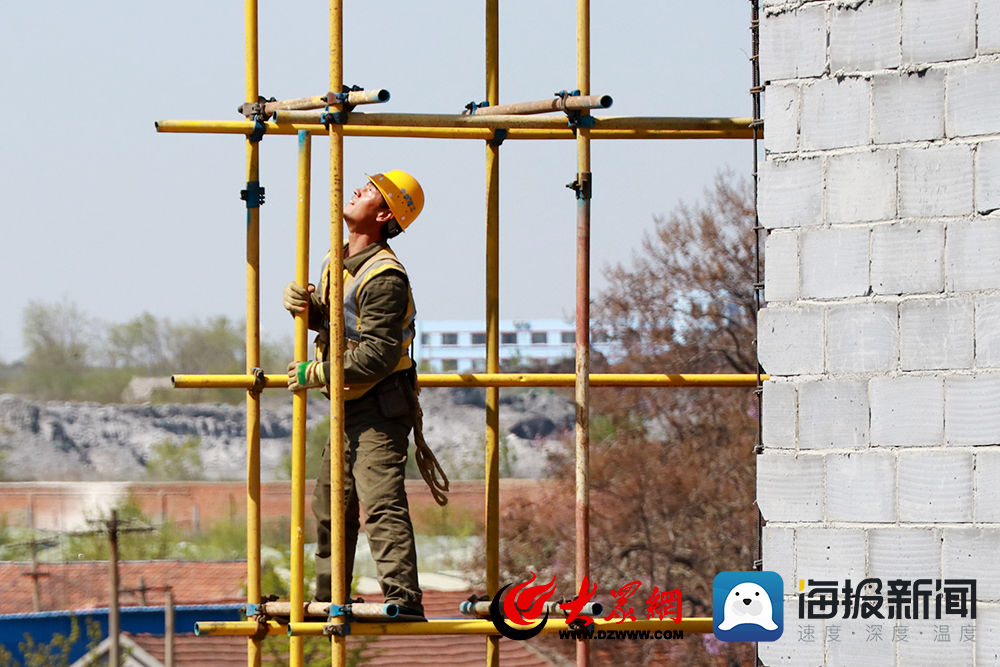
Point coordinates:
pixel 738 128
pixel 354 98
pixel 274 381
pixel 485 627
pixel 513 121
pixel 572 103
pixel 238 628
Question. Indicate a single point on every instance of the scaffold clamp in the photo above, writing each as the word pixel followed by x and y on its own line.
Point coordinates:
pixel 338 117
pixel 256 109
pixel 499 135
pixel 259 128
pixel 583 185
pixel 470 108
pixel 259 381
pixel 253 195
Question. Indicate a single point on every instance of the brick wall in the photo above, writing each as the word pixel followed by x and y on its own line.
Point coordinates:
pixel 880 190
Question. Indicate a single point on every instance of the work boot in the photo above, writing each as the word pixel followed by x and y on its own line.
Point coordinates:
pixel 413 609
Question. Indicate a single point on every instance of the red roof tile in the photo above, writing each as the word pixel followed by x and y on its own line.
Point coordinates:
pixel 84 585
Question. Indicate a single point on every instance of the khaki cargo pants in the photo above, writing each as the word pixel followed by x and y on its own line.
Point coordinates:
pixel 374 473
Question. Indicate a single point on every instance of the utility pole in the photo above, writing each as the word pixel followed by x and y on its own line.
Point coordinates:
pixel 168 616
pixel 113 527
pixel 35 573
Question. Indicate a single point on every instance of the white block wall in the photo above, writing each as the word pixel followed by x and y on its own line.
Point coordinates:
pixel 880 191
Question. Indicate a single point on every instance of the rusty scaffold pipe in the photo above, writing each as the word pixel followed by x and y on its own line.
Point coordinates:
pixel 267 108
pixel 559 103
pixel 481 609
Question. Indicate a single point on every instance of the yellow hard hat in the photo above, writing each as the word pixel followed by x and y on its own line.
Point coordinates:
pixel 402 193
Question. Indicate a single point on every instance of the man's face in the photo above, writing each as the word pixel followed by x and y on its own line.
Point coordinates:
pixel 366 206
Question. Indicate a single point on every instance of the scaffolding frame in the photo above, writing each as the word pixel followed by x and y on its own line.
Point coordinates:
pixel 294 117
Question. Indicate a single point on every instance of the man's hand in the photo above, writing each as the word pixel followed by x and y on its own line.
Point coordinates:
pixel 296 298
pixel 305 375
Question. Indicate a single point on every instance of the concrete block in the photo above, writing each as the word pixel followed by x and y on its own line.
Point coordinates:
pixel 935 486
pixel 935 181
pixel 971 414
pixel 861 187
pixel 871 471
pixel 932 643
pixel 907 107
pixel 778 549
pixel 908 258
pixel 781 118
pixel 935 31
pixel 781 266
pixel 988 331
pixel 987 489
pixel 862 338
pixel 790 193
pixel 833 413
pixel 790 340
pixel 973 95
pixel 834 262
pixel 865 37
pixel 936 333
pixel 988 25
pixel 904 553
pixel 790 487
pixel 907 410
pixel 835 114
pixel 971 553
pixel 851 642
pixel 971 251
pixel 830 553
pixel 987 630
pixel 779 415
pixel 988 176
pixel 793 44
pixel 800 644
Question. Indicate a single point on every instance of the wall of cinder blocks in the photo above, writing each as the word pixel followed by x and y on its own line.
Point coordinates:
pixel 880 191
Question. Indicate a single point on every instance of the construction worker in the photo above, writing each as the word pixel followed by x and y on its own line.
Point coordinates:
pixel 379 396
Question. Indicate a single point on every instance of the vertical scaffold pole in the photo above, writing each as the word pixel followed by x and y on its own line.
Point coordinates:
pixel 337 556
pixel 492 326
pixel 253 336
pixel 297 544
pixel 583 194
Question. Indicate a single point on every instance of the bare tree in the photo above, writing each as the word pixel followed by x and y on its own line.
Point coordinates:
pixel 672 470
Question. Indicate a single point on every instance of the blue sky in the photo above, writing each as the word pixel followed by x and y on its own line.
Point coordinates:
pixel 100 210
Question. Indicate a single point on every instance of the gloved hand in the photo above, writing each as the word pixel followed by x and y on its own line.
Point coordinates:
pixel 295 297
pixel 305 375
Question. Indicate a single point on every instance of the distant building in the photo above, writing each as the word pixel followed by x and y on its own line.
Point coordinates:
pixel 459 346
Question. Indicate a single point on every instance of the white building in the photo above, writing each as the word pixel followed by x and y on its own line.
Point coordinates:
pixel 459 346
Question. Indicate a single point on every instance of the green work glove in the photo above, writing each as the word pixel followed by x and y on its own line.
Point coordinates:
pixel 305 375
pixel 295 297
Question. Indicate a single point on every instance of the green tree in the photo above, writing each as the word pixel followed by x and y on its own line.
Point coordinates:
pixel 158 543
pixel 176 462
pixel 56 337
pixel 56 652
pixel 138 344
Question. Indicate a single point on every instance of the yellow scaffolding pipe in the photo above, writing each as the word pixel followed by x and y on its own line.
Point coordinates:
pixel 492 435
pixel 693 625
pixel 665 128
pixel 582 384
pixel 297 538
pixel 276 381
pixel 338 648
pixel 252 334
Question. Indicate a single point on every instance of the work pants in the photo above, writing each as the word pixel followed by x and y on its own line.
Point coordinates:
pixel 375 451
